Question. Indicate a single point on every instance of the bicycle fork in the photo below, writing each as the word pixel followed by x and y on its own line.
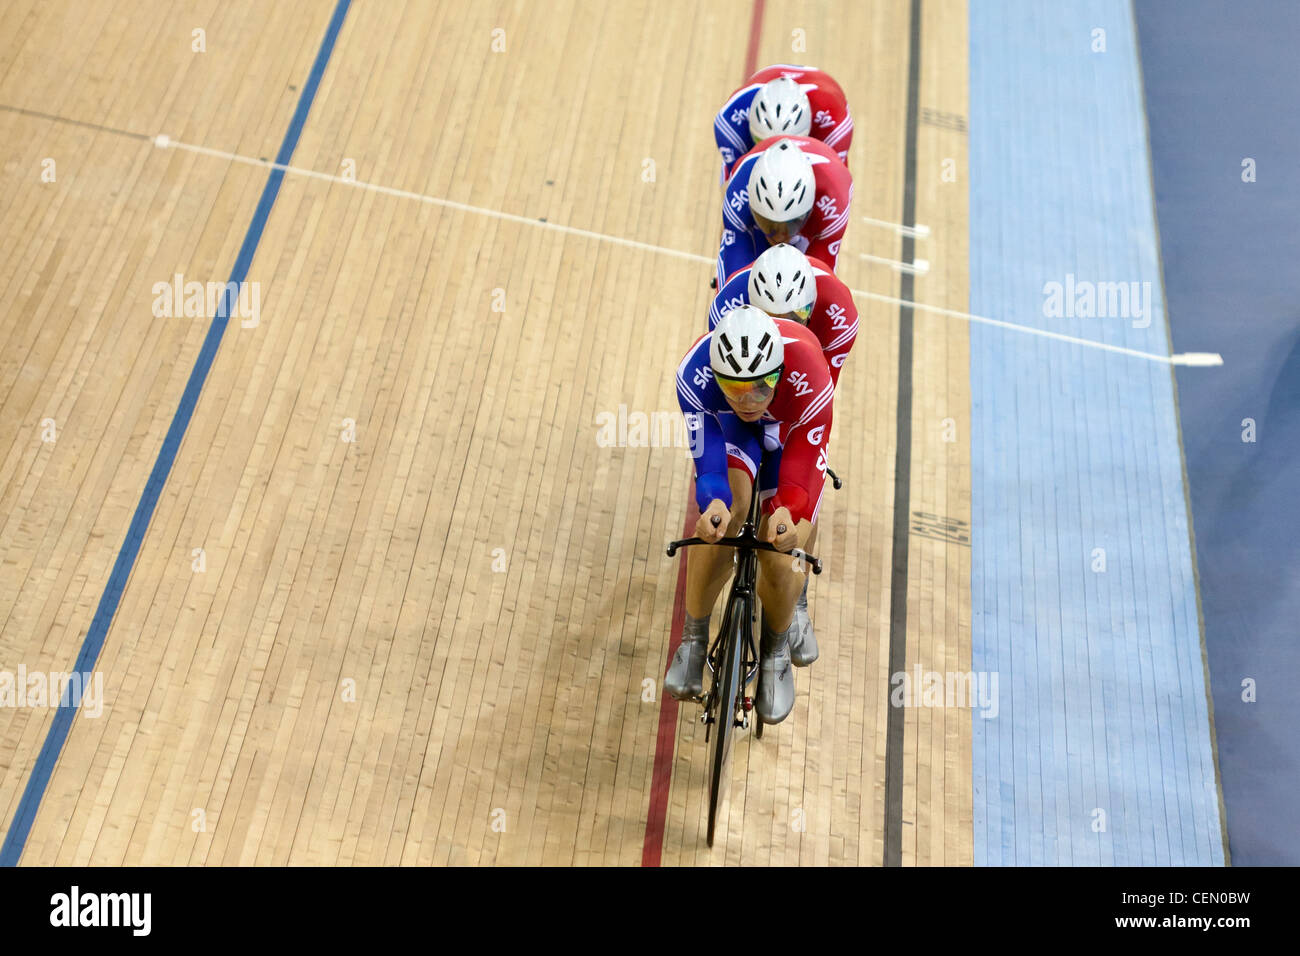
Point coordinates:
pixel 749 663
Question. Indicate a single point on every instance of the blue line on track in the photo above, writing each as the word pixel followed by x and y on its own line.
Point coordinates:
pixel 20 827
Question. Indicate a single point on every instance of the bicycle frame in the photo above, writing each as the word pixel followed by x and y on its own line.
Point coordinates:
pixel 733 667
pixel 744 588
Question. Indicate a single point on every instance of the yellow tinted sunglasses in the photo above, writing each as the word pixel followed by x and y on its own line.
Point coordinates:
pixel 752 391
pixel 802 315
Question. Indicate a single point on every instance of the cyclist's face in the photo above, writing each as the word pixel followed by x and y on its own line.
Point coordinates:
pixel 749 413
pixel 799 315
pixel 749 400
pixel 779 232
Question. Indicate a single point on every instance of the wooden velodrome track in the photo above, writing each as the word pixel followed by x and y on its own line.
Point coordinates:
pixel 431 612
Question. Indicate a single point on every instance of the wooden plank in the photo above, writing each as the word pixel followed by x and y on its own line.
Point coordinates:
pixel 485 574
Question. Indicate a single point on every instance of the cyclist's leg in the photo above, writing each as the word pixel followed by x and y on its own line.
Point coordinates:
pixel 778 587
pixel 778 573
pixel 809 546
pixel 707 569
pixel 780 579
pixel 803 639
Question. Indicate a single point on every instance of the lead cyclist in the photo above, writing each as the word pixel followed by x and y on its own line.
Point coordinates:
pixel 753 388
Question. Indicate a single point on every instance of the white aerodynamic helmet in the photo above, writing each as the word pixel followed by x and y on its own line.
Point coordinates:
pixel 781 282
pixel 746 344
pixel 781 184
pixel 779 108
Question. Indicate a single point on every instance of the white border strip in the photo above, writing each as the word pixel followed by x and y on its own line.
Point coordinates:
pixel 916 232
pixel 918 267
pixel 1194 359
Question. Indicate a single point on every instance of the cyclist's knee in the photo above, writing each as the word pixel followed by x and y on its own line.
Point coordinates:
pixel 780 569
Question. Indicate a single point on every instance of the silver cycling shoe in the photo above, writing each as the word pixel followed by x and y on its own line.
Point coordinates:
pixel 685 677
pixel 803 642
pixel 775 697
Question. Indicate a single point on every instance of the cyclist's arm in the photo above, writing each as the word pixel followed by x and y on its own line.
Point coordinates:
pixel 737 249
pixel 827 250
pixel 833 120
pixel 803 460
pixel 840 334
pixel 841 137
pixel 735 292
pixel 707 442
pixel 731 129
pixel 824 244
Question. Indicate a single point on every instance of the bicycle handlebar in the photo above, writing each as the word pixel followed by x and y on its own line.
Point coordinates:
pixel 752 543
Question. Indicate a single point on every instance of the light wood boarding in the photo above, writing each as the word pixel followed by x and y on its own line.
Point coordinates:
pixel 93 216
pixel 429 644
pixel 937 809
pixel 813 790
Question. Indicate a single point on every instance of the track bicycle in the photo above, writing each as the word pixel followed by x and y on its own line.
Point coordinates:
pixel 733 658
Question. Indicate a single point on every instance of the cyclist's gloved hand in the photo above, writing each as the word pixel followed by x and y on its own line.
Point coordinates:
pixel 782 540
pixel 705 529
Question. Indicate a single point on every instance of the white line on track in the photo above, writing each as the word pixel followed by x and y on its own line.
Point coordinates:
pixel 1200 359
pixel 918 267
pixel 165 142
pixel 916 232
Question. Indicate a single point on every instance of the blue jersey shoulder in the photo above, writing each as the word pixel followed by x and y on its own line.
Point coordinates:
pixel 731 125
pixel 696 389
pixel 735 202
pixel 734 293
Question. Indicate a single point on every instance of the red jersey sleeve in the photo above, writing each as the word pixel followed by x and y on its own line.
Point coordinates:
pixel 830 220
pixel 803 462
pixel 835 318
pixel 805 395
pixel 832 122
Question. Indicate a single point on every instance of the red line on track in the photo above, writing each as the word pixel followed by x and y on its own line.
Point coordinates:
pixel 662 775
pixel 755 29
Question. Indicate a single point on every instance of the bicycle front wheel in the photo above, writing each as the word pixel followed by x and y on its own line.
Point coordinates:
pixel 729 689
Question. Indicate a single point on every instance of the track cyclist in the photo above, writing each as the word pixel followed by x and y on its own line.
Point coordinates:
pixel 783 100
pixel 794 190
pixel 786 284
pixel 754 387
